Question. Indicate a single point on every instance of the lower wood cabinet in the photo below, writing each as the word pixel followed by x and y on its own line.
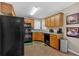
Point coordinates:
pixel 42 36
pixel 39 36
pixel 54 40
pixel 33 36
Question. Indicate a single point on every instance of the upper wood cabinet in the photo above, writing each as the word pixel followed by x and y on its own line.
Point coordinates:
pixel 55 20
pixel 29 20
pixel 59 19
pixel 52 22
pixel 7 9
pixel 47 22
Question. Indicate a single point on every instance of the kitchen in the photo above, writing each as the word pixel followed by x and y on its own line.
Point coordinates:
pixel 45 28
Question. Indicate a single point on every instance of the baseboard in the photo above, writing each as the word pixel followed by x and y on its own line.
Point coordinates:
pixel 73 52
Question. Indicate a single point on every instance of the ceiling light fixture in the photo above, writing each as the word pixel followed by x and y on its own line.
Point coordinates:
pixel 34 10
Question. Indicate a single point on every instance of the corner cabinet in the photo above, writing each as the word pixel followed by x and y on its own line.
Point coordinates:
pixel 55 20
pixel 38 36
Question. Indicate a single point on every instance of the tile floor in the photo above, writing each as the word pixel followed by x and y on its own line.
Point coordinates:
pixel 39 49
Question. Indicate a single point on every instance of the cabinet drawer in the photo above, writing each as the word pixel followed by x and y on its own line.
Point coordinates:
pixel 53 37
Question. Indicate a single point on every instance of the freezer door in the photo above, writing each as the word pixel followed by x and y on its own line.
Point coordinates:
pixel 13 43
pixel 1 37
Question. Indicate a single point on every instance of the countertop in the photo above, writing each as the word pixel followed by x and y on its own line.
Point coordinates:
pixel 46 32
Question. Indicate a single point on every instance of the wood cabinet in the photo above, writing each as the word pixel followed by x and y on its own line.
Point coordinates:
pixel 55 20
pixel 52 23
pixel 47 22
pixel 33 36
pixel 54 40
pixel 42 36
pixel 39 36
pixel 29 20
pixel 7 9
pixel 58 19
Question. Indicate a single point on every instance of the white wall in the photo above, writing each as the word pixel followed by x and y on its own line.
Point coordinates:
pixel 73 42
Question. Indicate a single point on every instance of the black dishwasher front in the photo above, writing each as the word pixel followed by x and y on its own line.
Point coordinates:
pixel 46 39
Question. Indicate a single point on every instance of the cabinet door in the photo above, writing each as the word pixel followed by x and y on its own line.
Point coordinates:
pixel 32 22
pixel 29 21
pixel 36 36
pixel 42 37
pixel 52 40
pixel 25 20
pixel 56 20
pixel 56 42
pixel 52 44
pixel 39 36
pixel 52 21
pixel 5 7
pixel 33 36
pixel 59 19
pixel 47 22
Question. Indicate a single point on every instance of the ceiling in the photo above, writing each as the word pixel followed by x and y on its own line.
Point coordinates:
pixel 23 9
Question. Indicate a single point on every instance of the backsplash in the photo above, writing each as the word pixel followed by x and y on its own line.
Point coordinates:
pixel 56 29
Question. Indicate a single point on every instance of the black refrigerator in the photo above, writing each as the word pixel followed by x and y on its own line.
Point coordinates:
pixel 11 36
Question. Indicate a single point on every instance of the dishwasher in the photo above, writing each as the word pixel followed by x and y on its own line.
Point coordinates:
pixel 46 39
